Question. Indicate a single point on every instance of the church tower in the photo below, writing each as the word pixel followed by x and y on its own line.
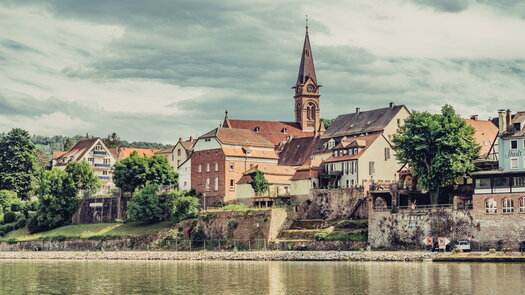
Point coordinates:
pixel 307 91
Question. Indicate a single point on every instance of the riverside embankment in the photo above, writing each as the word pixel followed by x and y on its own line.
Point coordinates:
pixel 204 255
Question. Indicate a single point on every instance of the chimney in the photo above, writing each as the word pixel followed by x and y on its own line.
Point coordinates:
pixel 508 117
pixel 391 104
pixel 502 121
pixel 474 117
pixel 180 138
pixel 357 110
pixel 191 138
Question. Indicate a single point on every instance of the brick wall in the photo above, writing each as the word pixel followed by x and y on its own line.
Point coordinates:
pixel 198 179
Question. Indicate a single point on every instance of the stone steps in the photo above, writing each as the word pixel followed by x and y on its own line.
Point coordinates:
pixel 308 224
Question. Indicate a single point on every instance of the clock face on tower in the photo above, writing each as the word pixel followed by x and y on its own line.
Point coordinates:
pixel 311 88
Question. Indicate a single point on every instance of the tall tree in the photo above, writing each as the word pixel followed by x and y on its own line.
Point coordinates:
pixel 112 141
pixel 18 163
pixel 43 160
pixel 58 200
pixel 131 173
pixel 259 182
pixel 83 176
pixel 438 147
pixel 68 144
pixel 160 171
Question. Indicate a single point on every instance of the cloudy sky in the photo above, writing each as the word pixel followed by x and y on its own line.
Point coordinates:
pixel 158 70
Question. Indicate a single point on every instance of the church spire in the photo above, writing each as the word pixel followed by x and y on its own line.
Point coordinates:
pixel 306 68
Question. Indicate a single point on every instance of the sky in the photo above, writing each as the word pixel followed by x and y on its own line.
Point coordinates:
pixel 160 70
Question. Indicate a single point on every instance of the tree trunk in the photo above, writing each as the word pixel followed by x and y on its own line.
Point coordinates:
pixel 434 196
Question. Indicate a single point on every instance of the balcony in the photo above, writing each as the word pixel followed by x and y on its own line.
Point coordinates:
pixel 99 153
pixel 104 178
pixel 100 165
pixel 335 172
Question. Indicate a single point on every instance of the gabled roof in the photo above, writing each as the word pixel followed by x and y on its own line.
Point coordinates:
pixel 250 153
pixel 78 150
pixel 298 151
pixel 362 122
pixel 274 174
pixel 126 152
pixel 486 134
pixel 241 137
pixel 369 139
pixel 58 154
pixel 274 131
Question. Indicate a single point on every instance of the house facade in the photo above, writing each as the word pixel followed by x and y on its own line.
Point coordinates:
pixel 179 153
pixel 279 181
pixel 185 175
pixel 95 152
pixel 221 156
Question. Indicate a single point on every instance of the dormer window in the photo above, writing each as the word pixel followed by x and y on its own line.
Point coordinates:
pixel 350 152
pixel 284 130
pixel 331 143
pixel 257 129
pixel 335 153
pixel 517 126
pixel 356 150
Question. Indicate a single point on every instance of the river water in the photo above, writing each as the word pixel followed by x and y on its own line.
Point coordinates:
pixel 232 277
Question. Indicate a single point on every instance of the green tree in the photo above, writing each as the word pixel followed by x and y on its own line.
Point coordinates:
pixel 58 201
pixel 18 164
pixel 259 182
pixel 438 147
pixel 112 141
pixel 327 122
pixel 68 144
pixel 150 206
pixel 43 160
pixel 186 206
pixel 83 176
pixel 160 171
pixel 136 171
pixel 131 173
pixel 7 198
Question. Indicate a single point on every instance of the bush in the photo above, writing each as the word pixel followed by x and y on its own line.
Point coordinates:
pixel 9 217
pixel 2 233
pixel 7 198
pixel 33 225
pixel 8 228
pixel 351 236
pixel 147 205
pixel 185 207
pixel 21 223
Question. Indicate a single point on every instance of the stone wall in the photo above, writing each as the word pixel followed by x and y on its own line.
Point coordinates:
pixel 96 210
pixel 331 204
pixel 238 225
pixel 407 228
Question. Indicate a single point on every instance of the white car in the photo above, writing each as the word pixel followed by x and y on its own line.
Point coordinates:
pixel 463 245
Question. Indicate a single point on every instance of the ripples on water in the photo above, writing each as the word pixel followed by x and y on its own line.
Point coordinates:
pixel 230 277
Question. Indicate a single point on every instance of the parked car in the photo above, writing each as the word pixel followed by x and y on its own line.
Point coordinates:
pixel 463 245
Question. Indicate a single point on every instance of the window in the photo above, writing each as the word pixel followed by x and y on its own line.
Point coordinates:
pixel 199 168
pixel 178 152
pixel 371 168
pixel 518 181
pixel 331 143
pixel 216 183
pixel 104 172
pixel 257 129
pixel 517 126
pixel 501 182
pixel 207 139
pixel 232 166
pixel 483 183
pixel 490 206
pixel 522 205
pixel 513 144
pixel 207 184
pixel 107 161
pixel 216 167
pixel 356 150
pixel 507 205
pixel 178 163
pixel 387 154
pixel 232 184
pixel 284 130
pixel 347 183
pixel 513 163
pixel 91 159
pixel 207 167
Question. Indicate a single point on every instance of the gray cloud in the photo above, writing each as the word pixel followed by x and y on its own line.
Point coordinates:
pixel 445 5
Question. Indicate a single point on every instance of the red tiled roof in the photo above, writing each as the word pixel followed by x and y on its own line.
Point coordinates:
pixel 78 150
pixel 242 137
pixel 369 139
pixel 126 152
pixel 253 153
pixel 486 134
pixel 58 154
pixel 271 130
pixel 274 174
pixel 306 174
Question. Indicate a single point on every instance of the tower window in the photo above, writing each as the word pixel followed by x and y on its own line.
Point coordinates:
pixel 310 111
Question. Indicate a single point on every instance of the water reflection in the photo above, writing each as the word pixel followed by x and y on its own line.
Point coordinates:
pixel 230 277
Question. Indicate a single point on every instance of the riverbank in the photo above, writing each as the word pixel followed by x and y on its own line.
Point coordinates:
pixel 204 255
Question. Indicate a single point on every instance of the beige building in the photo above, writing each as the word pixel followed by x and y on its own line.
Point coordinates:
pixel 279 180
pixel 359 159
pixel 179 153
pixel 95 152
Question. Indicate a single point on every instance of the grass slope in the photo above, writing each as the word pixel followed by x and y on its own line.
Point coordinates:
pixel 86 231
